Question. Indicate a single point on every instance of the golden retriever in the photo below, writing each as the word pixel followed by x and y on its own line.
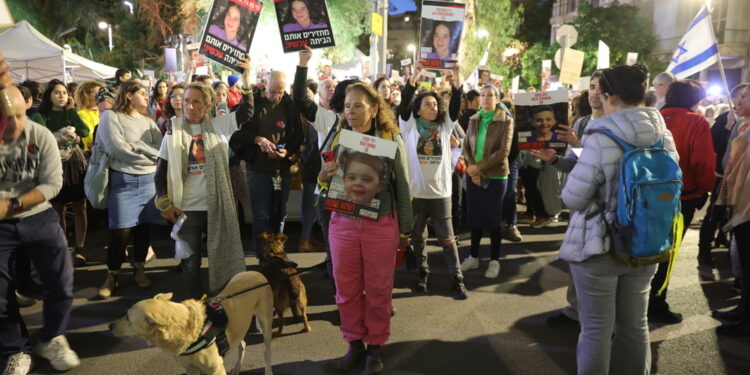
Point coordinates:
pixel 175 326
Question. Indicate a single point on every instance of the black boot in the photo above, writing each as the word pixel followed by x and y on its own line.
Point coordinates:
pixel 659 312
pixel 374 364
pixel 422 281
pixel 352 358
pixel 459 290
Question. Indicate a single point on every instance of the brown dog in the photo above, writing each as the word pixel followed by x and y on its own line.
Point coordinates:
pixel 288 291
pixel 175 327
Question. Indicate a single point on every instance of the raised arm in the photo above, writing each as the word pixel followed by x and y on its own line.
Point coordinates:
pixel 306 107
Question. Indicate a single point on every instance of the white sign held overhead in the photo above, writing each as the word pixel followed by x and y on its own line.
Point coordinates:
pixel 632 58
pixel 514 84
pixel 602 60
pixel 572 64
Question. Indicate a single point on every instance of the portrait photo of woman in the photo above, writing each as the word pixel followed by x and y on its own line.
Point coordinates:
pixel 303 15
pixel 442 38
pixel 230 26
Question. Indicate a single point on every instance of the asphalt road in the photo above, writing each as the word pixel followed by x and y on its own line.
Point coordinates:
pixel 500 329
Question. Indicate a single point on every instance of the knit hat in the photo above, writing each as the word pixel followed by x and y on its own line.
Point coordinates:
pixel 105 93
pixel 232 79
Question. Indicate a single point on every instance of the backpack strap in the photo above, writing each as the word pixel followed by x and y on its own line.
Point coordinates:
pixel 624 146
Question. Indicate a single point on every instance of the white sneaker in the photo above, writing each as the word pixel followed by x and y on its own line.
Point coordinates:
pixel 470 263
pixel 492 270
pixel 58 353
pixel 18 364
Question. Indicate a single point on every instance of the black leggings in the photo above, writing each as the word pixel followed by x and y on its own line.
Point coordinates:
pixel 495 240
pixel 534 200
pixel 118 240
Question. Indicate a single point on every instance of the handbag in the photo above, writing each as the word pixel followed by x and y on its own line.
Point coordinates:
pixel 96 182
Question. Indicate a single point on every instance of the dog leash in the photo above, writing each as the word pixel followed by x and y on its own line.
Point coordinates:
pixel 299 271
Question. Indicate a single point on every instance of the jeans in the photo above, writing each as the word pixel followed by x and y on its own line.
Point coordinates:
pixel 742 235
pixel 439 210
pixel 571 311
pixel 42 239
pixel 364 259
pixel 457 200
pixel 263 202
pixel 510 216
pixel 307 209
pixel 612 294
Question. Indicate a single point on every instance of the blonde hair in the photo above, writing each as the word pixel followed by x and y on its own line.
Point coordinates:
pixel 82 95
pixel 206 91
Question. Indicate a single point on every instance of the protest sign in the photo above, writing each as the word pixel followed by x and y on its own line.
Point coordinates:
pixel 229 31
pixel 546 74
pixel 440 33
pixel 538 115
pixel 514 84
pixel 365 164
pixel 572 64
pixel 632 58
pixel 170 60
pixel 303 23
pixel 602 56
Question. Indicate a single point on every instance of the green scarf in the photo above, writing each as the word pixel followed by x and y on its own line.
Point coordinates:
pixel 485 118
pixel 426 129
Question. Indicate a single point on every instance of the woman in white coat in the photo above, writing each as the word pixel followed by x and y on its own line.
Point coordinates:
pixel 610 293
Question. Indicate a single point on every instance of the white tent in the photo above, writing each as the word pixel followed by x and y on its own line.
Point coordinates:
pixel 33 56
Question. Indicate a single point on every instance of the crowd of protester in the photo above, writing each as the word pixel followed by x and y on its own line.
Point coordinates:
pixel 204 148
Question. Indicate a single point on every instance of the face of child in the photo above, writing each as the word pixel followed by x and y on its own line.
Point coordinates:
pixel 544 121
pixel 361 183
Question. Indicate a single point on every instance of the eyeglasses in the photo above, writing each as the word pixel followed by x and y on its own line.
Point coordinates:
pixel 176 96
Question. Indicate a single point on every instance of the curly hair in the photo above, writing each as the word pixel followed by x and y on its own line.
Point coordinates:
pixel 417 104
pixel 384 119
pixel 83 92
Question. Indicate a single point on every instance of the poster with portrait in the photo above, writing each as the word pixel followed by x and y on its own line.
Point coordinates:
pixel 538 115
pixel 440 33
pixel 365 164
pixel 303 23
pixel 229 31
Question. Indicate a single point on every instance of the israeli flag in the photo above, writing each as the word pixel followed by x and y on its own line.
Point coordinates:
pixel 697 50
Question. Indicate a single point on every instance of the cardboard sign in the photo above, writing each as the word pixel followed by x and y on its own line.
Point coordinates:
pixel 440 33
pixel 304 23
pixel 229 31
pixel 572 64
pixel 538 115
pixel 365 164
pixel 405 62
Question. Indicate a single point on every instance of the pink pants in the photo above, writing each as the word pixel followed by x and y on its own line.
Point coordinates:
pixel 363 253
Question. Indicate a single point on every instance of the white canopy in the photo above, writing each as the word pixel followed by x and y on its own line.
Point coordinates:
pixel 33 56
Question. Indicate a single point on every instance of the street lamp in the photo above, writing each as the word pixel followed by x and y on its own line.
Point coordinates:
pixel 105 26
pixel 411 48
pixel 129 4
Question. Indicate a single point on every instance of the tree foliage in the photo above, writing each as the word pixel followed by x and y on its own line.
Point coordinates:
pixel 501 20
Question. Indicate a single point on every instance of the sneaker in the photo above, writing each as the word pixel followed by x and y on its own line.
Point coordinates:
pixel 470 263
pixel 139 277
pixel 664 315
pixel 109 286
pixel 493 270
pixel 541 222
pixel 58 353
pixel 511 233
pixel 732 315
pixel 459 289
pixel 78 259
pixel 18 364
pixel 526 218
pixel 374 361
pixel 560 320
pixel 352 357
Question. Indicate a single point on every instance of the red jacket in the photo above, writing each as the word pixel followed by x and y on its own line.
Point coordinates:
pixel 692 136
pixel 234 98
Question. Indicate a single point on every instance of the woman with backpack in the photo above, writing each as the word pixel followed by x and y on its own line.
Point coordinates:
pixel 610 293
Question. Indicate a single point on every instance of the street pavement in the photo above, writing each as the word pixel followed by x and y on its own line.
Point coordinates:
pixel 500 329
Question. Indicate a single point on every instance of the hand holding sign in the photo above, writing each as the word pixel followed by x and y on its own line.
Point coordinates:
pixel 418 68
pixel 304 56
pixel 568 135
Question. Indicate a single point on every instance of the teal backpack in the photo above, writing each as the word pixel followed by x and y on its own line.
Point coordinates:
pixel 648 223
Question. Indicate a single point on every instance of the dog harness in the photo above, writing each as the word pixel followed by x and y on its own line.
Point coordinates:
pixel 214 330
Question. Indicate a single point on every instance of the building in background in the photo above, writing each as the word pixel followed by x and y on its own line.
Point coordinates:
pixel 670 20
